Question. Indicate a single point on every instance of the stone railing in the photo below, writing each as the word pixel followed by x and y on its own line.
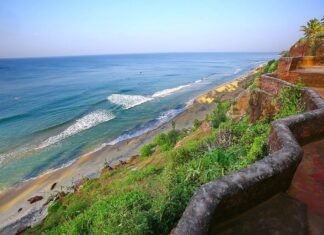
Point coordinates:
pixel 304 69
pixel 287 64
pixel 230 195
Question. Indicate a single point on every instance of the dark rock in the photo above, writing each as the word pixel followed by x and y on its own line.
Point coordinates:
pixel 108 167
pixel 53 186
pixel 20 209
pixel 35 199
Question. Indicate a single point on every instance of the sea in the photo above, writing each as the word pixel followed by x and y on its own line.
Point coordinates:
pixel 52 110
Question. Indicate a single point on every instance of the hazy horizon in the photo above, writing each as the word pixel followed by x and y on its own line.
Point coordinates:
pixel 139 53
pixel 33 28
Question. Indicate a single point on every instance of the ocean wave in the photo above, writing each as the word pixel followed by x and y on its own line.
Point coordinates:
pixel 5 157
pixel 163 118
pixel 90 120
pixel 128 101
pixel 169 91
pixel 13 117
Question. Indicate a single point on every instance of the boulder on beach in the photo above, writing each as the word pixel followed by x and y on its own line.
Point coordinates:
pixel 35 199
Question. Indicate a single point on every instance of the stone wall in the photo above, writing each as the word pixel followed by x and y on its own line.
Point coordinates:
pixel 294 69
pixel 230 195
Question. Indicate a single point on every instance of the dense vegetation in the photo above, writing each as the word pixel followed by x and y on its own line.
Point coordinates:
pixel 149 195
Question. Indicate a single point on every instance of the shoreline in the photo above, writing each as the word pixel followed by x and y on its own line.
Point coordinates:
pixel 90 164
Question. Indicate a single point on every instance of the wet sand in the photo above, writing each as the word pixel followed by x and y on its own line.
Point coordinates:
pixel 90 164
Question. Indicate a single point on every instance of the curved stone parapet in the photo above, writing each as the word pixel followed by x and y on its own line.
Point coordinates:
pixel 230 195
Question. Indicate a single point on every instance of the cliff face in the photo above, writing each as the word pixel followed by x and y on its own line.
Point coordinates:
pixel 305 47
pixel 300 48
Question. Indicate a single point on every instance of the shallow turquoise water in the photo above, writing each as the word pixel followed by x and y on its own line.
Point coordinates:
pixel 54 109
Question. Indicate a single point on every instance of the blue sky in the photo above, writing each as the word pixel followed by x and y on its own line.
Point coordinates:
pixel 31 28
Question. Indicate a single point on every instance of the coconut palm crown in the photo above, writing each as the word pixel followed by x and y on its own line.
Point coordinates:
pixel 312 29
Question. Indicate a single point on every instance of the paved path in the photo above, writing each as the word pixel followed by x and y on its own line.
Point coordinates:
pixel 280 215
pixel 308 185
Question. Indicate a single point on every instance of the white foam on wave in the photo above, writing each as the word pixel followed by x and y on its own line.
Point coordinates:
pixel 169 91
pixel 90 120
pixel 128 101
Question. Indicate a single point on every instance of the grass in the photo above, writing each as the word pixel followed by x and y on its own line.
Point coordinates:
pixel 149 195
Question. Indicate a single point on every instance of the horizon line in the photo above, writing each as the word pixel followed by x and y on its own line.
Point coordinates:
pixel 132 53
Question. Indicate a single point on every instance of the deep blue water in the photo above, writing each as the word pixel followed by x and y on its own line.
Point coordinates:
pixel 54 109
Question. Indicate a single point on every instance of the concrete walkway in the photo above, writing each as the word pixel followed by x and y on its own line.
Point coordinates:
pixel 308 185
pixel 280 215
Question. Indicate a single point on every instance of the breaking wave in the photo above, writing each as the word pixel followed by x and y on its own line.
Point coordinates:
pixel 90 120
pixel 128 101
pixel 169 91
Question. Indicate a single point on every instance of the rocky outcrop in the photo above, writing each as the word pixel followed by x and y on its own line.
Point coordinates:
pixel 300 48
pixel 219 200
pixel 241 106
pixel 261 105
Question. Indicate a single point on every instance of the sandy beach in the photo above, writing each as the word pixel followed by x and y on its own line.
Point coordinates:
pixel 16 211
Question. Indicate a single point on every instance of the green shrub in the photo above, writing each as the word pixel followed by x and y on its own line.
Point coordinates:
pixel 190 150
pixel 167 141
pixel 290 101
pixel 219 114
pixel 196 123
pixel 147 150
pixel 54 206
pixel 271 66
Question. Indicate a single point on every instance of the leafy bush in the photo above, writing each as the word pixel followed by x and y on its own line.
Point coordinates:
pixel 147 150
pixel 167 141
pixel 290 101
pixel 219 114
pixel 271 66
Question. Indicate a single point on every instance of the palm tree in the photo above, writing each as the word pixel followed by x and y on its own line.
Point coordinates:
pixel 312 29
